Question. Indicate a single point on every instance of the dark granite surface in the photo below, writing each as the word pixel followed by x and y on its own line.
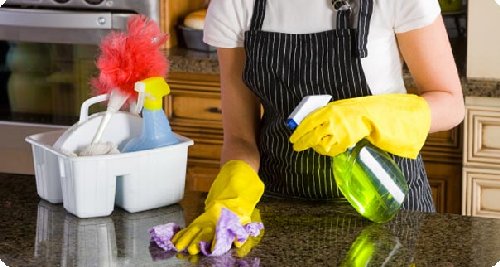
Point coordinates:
pixel 36 233
pixel 184 60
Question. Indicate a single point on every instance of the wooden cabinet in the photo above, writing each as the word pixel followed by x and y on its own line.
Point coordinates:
pixel 193 107
pixel 194 111
pixel 481 158
pixel 442 155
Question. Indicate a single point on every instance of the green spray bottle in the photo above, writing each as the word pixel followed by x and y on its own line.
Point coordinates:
pixel 367 176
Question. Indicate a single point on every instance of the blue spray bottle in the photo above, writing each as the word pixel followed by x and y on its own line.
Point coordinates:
pixel 156 130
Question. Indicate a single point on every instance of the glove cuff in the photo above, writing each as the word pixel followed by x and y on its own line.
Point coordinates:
pixel 407 135
pixel 237 187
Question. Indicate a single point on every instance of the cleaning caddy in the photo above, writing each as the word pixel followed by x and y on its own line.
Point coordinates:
pixel 86 167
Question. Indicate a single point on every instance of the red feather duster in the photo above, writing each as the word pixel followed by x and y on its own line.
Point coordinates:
pixel 129 57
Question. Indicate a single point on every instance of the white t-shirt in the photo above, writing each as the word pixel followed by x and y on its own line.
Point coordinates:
pixel 227 21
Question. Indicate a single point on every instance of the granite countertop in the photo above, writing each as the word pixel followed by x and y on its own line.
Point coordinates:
pixel 37 233
pixel 185 60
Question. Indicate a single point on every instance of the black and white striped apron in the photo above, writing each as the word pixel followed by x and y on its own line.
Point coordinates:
pixel 283 68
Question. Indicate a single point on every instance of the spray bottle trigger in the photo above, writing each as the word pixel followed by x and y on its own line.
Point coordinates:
pixel 140 88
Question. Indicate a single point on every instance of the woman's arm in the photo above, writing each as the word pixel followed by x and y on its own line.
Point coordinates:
pixel 240 110
pixel 427 52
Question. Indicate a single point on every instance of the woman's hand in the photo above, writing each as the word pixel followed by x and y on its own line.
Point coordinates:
pixel 396 123
pixel 238 189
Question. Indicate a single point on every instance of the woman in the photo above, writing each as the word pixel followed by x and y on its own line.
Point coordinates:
pixel 273 53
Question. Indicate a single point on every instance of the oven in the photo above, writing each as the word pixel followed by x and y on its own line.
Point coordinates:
pixel 47 57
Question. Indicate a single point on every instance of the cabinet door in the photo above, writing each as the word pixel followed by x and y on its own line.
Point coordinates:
pixel 193 108
pixel 194 103
pixel 481 192
pixel 481 158
pixel 204 161
pixel 444 146
pixel 482 135
pixel 442 155
pixel 446 186
pixel 200 175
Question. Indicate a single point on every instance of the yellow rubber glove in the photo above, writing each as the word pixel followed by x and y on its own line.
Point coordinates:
pixel 396 123
pixel 237 188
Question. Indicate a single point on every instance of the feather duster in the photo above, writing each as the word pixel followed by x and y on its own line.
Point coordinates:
pixel 128 57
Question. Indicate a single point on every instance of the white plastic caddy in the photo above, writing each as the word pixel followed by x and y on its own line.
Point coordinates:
pixel 91 186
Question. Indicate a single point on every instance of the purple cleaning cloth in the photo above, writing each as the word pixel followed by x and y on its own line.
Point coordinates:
pixel 162 235
pixel 253 229
pixel 227 230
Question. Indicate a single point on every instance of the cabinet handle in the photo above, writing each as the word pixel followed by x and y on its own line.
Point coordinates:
pixel 214 110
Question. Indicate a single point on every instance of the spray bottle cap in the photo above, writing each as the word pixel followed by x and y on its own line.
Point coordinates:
pixel 154 88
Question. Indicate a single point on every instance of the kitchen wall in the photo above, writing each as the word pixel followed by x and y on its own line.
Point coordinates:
pixel 483 39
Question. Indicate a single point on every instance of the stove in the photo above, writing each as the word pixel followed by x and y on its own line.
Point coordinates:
pixel 138 6
pixel 69 21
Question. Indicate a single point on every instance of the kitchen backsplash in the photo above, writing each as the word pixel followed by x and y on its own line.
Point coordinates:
pixel 184 60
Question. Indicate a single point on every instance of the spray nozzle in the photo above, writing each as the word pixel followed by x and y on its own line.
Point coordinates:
pixel 151 92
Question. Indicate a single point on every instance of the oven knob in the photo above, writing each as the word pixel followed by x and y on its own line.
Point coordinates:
pixel 94 2
pixel 62 1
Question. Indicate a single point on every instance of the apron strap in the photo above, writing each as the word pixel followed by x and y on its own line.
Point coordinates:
pixel 343 17
pixel 259 12
pixel 365 14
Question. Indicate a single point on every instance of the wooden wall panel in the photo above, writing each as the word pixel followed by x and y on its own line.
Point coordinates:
pixel 171 14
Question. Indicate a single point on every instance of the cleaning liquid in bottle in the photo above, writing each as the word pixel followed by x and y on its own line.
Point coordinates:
pixel 370 180
pixel 367 176
pixel 156 130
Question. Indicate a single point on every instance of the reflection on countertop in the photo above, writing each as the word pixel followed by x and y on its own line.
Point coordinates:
pixel 297 233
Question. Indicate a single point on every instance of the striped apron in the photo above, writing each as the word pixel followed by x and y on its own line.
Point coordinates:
pixel 281 69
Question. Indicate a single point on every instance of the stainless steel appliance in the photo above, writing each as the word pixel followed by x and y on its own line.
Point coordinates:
pixel 47 57
pixel 68 21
